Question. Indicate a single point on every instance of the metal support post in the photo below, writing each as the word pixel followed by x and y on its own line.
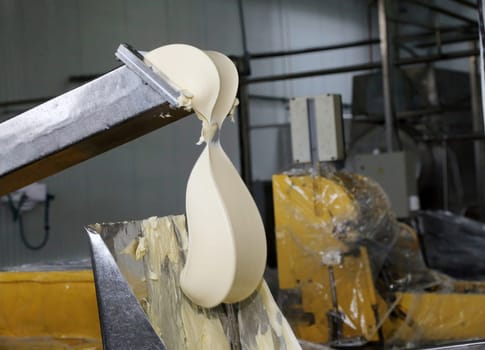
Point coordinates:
pixel 312 132
pixel 444 170
pixel 387 67
pixel 244 135
pixel 479 146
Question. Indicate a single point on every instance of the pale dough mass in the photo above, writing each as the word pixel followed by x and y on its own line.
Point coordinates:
pixel 227 245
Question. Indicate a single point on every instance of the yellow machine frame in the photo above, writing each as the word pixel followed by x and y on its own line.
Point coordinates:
pixel 328 291
pixel 49 310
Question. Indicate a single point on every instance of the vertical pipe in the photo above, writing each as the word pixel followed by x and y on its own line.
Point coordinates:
pixel 334 316
pixel 444 169
pixel 369 30
pixel 386 61
pixel 244 136
pixel 243 108
pixel 481 31
pixel 245 66
pixel 477 128
pixel 481 69
pixel 312 132
pixel 242 25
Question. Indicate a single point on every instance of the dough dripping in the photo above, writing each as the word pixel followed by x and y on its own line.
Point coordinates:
pixel 227 245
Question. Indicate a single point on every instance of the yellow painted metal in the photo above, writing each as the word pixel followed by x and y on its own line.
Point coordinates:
pixel 49 310
pixel 307 210
pixel 436 317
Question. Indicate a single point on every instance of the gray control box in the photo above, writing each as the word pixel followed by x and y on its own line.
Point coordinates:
pixel 396 173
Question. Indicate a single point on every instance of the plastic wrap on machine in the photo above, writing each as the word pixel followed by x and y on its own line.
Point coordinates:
pixel 351 274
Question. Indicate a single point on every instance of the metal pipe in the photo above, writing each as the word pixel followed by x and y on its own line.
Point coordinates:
pixel 243 108
pixel 481 32
pixel 412 23
pixel 409 50
pixel 351 44
pixel 444 169
pixel 359 67
pixel 312 132
pixel 369 30
pixel 386 63
pixel 269 98
pixel 466 3
pixel 270 126
pixel 470 29
pixel 328 71
pixel 464 345
pixel 464 38
pixel 244 135
pixel 374 117
pixel 478 127
pixel 346 45
pixel 430 111
pixel 243 29
pixel 438 41
pixel 437 57
pixel 442 10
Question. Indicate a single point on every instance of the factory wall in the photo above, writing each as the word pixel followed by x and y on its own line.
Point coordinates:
pixel 44 42
pixel 300 24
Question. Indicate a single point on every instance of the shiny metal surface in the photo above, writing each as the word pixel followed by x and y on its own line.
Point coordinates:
pixel 478 146
pixel 387 57
pixel 474 344
pixel 312 132
pixel 80 124
pixel 124 325
pixel 133 60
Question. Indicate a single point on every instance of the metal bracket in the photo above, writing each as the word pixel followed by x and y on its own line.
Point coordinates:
pixel 133 59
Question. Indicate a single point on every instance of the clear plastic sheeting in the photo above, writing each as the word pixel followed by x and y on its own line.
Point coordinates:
pixel 350 274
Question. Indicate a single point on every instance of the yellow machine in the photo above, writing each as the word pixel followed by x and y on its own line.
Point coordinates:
pixel 351 274
pixel 49 310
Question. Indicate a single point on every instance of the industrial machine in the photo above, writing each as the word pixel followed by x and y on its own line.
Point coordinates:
pixel 352 275
pixel 109 111
pixel 437 129
pixel 64 300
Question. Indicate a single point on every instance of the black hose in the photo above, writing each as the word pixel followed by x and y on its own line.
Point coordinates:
pixel 17 216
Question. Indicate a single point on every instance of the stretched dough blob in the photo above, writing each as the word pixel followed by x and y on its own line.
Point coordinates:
pixel 190 69
pixel 227 245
